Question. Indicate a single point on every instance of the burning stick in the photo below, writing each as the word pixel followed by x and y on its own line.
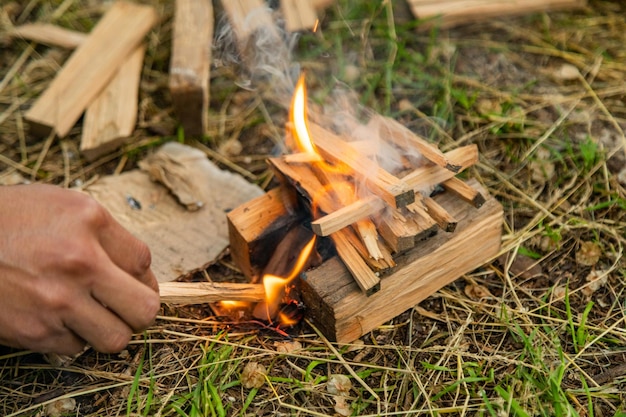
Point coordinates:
pixel 184 293
pixel 388 187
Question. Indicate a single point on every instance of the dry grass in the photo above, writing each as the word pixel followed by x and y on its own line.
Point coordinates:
pixel 539 331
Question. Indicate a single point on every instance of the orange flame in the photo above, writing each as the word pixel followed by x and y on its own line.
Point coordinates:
pixel 298 118
pixel 275 286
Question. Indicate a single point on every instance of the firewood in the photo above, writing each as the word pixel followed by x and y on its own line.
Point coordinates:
pixel 439 214
pixel 464 191
pixel 391 189
pixel 396 133
pixel 367 280
pixel 248 18
pixel 255 227
pixel 184 293
pixel 380 266
pixel 402 231
pixel 49 35
pixel 347 215
pixel 298 14
pixel 85 74
pixel 343 313
pixel 301 158
pixel 425 177
pixel 454 12
pixel 369 235
pixel 110 119
pixel 322 4
pixel 190 63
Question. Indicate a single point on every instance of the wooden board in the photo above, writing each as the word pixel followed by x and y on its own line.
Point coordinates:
pixel 343 313
pixel 110 119
pixel 90 68
pixel 298 14
pixel 458 12
pixel 190 63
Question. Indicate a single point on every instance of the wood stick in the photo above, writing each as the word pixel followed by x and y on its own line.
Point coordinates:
pixel 467 193
pixel 396 133
pixel 49 35
pixel 444 219
pixel 455 12
pixel 183 293
pixel 362 274
pixel 190 63
pixel 347 215
pixel 110 119
pixel 367 231
pixel 423 178
pixel 302 158
pixel 247 17
pixel 380 266
pixel 85 74
pixel 299 14
pixel 391 189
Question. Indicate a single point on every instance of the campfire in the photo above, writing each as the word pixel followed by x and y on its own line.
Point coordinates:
pixel 335 198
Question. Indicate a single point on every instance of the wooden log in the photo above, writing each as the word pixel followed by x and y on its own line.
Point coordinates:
pixel 455 12
pixel 110 119
pixel 467 193
pixel 391 189
pixel 365 278
pixel 49 34
pixel 184 293
pixel 445 220
pixel 254 229
pixel 402 231
pixel 85 74
pixel 298 14
pixel 190 64
pixel 398 134
pixel 426 177
pixel 347 215
pixel 343 313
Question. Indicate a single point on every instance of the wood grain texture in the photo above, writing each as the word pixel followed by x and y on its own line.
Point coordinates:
pixel 184 293
pixel 90 68
pixel 343 313
pixel 190 64
pixel 110 119
pixel 298 14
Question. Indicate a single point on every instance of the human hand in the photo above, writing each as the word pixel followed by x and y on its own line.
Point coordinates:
pixel 69 273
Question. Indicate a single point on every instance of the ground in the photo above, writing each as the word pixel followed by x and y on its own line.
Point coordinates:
pixel 539 330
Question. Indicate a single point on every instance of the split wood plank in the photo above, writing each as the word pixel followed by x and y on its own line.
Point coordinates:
pixel 85 74
pixel 248 17
pixel 49 34
pixel 255 227
pixel 110 119
pixel 402 231
pixel 403 137
pixel 343 313
pixel 390 188
pixel 445 220
pixel 347 215
pixel 298 14
pixel 455 12
pixel 426 177
pixel 466 192
pixel 190 64
pixel 365 278
pixel 185 293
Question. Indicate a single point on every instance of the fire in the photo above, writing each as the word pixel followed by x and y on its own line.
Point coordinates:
pixel 298 119
pixel 275 286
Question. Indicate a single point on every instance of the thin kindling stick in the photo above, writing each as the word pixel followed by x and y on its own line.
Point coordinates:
pixel 184 293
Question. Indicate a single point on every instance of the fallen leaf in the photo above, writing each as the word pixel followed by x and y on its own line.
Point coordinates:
pixel 588 254
pixel 253 375
pixel 60 407
pixel 477 292
pixel 287 347
pixel 339 384
pixel 596 279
